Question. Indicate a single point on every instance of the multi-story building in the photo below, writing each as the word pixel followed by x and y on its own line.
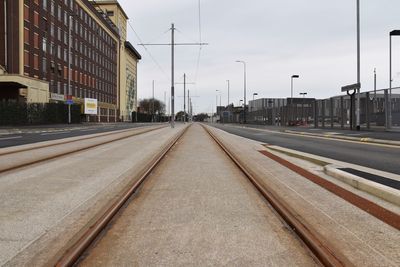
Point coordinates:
pixel 129 58
pixel 47 45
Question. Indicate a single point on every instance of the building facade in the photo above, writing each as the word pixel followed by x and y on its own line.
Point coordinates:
pixel 128 60
pixel 53 50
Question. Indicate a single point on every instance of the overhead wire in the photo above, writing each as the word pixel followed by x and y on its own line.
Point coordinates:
pixel 148 52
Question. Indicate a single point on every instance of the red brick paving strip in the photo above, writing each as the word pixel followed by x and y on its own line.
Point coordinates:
pixel 375 210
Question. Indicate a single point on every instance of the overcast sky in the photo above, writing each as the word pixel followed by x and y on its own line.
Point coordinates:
pixel 315 39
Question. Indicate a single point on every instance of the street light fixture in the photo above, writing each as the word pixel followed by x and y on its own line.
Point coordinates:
pixel 302 105
pixel 291 87
pixel 244 88
pixel 392 33
pixel 228 90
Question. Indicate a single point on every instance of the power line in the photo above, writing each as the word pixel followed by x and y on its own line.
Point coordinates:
pixel 148 52
pixel 200 37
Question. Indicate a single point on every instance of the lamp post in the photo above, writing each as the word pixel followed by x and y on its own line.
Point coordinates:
pixel 254 94
pixel 228 90
pixel 392 33
pixel 244 88
pixel 216 104
pixel 302 106
pixel 358 68
pixel 295 76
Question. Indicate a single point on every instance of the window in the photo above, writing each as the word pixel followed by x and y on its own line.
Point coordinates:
pixel 36 62
pixel 36 19
pixel 26 35
pixel 36 40
pixel 52 30
pixel 44 3
pixel 59 16
pixel 26 13
pixel 59 51
pixel 44 44
pixel 110 13
pixel 26 58
pixel 36 2
pixel 52 8
pixel 44 65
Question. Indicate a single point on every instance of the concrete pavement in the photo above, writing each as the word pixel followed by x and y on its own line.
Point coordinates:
pixel 198 209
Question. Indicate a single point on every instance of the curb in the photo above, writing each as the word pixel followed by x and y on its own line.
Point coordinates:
pixel 348 138
pixel 381 191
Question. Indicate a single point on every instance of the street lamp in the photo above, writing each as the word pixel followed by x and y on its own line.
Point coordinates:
pixel 295 76
pixel 244 89
pixel 291 87
pixel 302 105
pixel 392 33
pixel 228 90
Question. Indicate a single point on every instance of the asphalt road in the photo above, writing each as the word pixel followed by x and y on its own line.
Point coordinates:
pixel 29 135
pixel 372 156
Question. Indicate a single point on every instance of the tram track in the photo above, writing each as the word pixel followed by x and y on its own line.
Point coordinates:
pixel 324 252
pixel 16 158
pixel 75 251
pixel 319 246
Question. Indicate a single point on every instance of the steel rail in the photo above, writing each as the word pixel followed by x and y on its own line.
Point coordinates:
pixel 325 252
pixel 58 155
pixel 73 253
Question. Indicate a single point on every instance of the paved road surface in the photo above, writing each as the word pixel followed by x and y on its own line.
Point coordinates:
pixel 28 135
pixel 372 156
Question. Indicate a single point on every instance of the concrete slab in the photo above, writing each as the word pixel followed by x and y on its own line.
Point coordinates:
pixel 46 205
pixel 198 209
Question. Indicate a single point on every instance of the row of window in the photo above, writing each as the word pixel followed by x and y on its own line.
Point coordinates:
pixel 62 88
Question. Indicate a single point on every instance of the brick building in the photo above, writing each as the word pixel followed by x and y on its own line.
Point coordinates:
pixel 35 39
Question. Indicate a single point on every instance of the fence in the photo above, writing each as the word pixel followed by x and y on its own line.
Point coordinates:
pixel 380 109
pixel 12 113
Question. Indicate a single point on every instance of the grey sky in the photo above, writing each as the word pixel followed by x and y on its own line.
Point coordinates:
pixel 313 38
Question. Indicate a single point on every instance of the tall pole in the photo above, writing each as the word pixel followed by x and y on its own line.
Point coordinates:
pixel 172 76
pixel 165 101
pixel 69 67
pixel 188 101
pixel 389 123
pixel 244 88
pixel 216 106
pixel 228 90
pixel 184 97
pixel 152 105
pixel 358 67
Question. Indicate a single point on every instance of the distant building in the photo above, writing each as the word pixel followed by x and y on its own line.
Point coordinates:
pixel 129 59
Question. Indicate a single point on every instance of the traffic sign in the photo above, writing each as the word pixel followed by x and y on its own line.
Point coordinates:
pixel 70 102
pixel 351 87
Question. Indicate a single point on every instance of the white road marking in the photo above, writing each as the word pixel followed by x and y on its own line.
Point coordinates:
pixel 55 133
pixel 9 138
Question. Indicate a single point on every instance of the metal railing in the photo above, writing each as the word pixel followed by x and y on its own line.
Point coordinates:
pixel 378 109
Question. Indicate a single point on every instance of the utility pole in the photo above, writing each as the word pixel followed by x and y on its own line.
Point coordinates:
pixel 184 97
pixel 152 105
pixel 69 68
pixel 358 68
pixel 165 101
pixel 173 44
pixel 188 101
pixel 228 91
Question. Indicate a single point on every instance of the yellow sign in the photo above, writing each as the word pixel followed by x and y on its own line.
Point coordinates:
pixel 90 106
